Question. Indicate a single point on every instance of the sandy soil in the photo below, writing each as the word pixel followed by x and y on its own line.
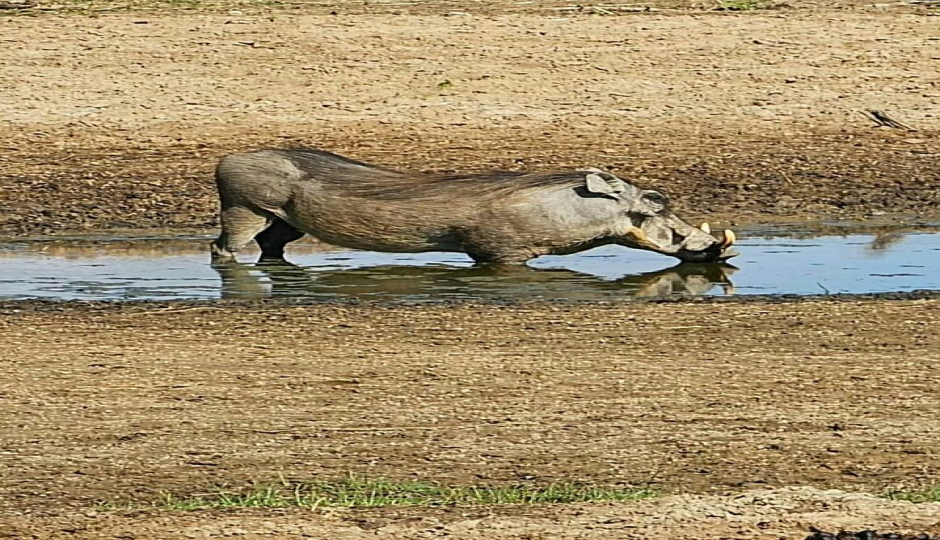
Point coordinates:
pixel 117 403
pixel 114 119
pixel 117 120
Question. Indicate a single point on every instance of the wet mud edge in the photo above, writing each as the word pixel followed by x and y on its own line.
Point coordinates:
pixel 8 307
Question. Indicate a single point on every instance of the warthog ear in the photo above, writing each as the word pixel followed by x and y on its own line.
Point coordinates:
pixel 604 184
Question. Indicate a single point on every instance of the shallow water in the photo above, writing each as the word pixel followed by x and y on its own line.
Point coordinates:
pixel 177 268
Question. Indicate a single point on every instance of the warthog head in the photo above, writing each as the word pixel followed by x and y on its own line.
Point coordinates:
pixel 650 225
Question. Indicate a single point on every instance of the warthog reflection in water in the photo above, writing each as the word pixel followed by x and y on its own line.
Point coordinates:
pixel 443 282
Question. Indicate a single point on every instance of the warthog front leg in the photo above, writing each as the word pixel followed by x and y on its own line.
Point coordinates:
pixel 500 258
pixel 486 250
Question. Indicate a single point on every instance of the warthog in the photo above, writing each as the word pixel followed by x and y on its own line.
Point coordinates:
pixel 275 196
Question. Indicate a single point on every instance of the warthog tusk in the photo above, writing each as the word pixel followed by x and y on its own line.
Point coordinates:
pixel 729 239
pixel 642 240
pixel 706 228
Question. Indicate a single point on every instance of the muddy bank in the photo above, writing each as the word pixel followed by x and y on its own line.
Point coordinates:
pixel 12 307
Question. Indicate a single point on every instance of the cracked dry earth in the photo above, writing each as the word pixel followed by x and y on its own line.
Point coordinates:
pixel 114 120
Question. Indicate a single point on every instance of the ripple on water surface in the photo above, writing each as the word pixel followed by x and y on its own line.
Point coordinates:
pixel 177 268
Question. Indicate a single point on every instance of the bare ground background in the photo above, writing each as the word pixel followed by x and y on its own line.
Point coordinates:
pixel 116 121
pixel 112 118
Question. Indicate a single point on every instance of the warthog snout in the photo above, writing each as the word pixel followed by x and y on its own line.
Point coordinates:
pixel 667 234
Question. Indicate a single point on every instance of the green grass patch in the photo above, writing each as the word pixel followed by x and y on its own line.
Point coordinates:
pixel 364 493
pixel 916 496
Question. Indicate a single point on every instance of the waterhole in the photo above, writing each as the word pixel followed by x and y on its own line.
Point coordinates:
pixel 773 260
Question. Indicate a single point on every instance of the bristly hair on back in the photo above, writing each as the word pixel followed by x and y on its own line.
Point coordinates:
pixel 360 179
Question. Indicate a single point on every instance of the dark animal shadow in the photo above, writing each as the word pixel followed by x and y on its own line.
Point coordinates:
pixel 281 279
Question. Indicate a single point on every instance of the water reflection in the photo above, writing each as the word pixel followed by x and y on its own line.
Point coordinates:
pixel 886 239
pixel 438 282
pixel 772 261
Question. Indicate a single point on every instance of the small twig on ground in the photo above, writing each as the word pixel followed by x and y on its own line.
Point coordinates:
pixel 881 118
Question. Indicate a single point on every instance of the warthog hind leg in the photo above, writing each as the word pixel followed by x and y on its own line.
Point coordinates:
pixel 273 239
pixel 240 225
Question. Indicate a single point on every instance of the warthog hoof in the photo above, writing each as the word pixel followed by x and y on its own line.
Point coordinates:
pixel 220 255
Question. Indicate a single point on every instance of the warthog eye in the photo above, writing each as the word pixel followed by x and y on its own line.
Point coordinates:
pixel 677 238
pixel 637 220
pixel 655 198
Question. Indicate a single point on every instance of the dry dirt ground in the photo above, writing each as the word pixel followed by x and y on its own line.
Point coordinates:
pixel 121 402
pixel 112 118
pixel 116 120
